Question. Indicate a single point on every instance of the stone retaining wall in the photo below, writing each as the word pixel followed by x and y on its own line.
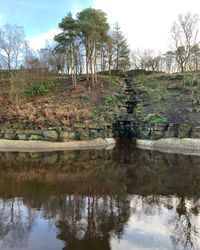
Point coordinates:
pixel 167 130
pixel 144 131
pixel 57 135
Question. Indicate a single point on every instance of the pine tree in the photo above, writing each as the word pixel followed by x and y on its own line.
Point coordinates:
pixel 67 40
pixel 121 51
pixel 92 28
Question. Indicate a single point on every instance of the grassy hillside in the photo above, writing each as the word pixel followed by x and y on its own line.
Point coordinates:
pixel 44 101
pixel 175 97
pixel 52 102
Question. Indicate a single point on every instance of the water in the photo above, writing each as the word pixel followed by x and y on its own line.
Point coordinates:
pixel 119 199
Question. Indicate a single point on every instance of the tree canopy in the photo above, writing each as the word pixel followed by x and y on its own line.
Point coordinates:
pixel 88 36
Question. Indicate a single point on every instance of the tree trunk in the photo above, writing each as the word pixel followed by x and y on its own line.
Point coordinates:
pixel 102 58
pixel 87 62
pixel 91 70
pixel 117 59
pixel 74 64
pixel 73 72
pixel 95 64
pixel 91 49
pixel 109 65
pixel 182 68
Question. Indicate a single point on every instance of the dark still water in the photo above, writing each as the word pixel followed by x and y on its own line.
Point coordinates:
pixel 121 199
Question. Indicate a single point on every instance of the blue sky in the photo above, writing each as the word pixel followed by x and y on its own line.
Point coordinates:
pixel 145 23
pixel 38 16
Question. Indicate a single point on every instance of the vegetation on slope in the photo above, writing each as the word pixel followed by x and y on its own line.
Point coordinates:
pixel 55 103
pixel 175 97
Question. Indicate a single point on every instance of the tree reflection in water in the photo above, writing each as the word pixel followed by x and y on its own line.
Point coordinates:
pixel 183 222
pixel 93 197
pixel 16 223
pixel 186 228
pixel 90 221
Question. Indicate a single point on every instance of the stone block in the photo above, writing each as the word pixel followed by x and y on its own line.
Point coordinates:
pixel 195 132
pixel 169 134
pixel 35 137
pixel 9 136
pixel 63 136
pixel 144 134
pixel 159 127
pixel 72 135
pixel 93 134
pixel 21 136
pixel 171 131
pixel 196 128
pixel 8 131
pixel 83 135
pixel 195 135
pixel 109 132
pixel 69 129
pixel 102 133
pixel 50 135
pixel 184 130
pixel 155 135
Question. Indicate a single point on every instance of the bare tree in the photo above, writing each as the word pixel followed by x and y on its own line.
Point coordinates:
pixel 12 39
pixel 184 34
pixel 169 62
pixel 28 55
pixel 146 60
pixel 151 60
pixel 194 61
pixel 137 59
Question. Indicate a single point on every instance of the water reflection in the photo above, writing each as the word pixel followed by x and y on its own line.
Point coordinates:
pixel 120 199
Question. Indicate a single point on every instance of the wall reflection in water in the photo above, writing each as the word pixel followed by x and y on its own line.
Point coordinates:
pixel 120 199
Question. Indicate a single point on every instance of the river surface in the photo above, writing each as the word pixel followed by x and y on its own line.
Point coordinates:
pixel 120 199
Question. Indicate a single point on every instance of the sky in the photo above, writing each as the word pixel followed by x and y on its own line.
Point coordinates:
pixel 145 23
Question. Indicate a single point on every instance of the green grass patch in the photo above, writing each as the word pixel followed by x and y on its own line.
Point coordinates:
pixel 38 88
pixel 113 80
pixel 109 103
pixel 155 119
pixel 109 100
pixel 143 79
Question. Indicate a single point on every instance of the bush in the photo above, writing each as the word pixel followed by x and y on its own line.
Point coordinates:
pixel 113 80
pixel 143 79
pixel 84 97
pixel 108 104
pixel 155 119
pixel 109 100
pixel 38 88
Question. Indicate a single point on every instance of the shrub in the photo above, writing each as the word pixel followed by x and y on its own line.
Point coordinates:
pixel 143 79
pixel 113 80
pixel 38 88
pixel 109 100
pixel 155 119
pixel 108 103
pixel 84 97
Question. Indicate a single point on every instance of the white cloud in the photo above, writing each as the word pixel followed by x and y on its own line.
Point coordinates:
pixel 38 42
pixel 146 23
